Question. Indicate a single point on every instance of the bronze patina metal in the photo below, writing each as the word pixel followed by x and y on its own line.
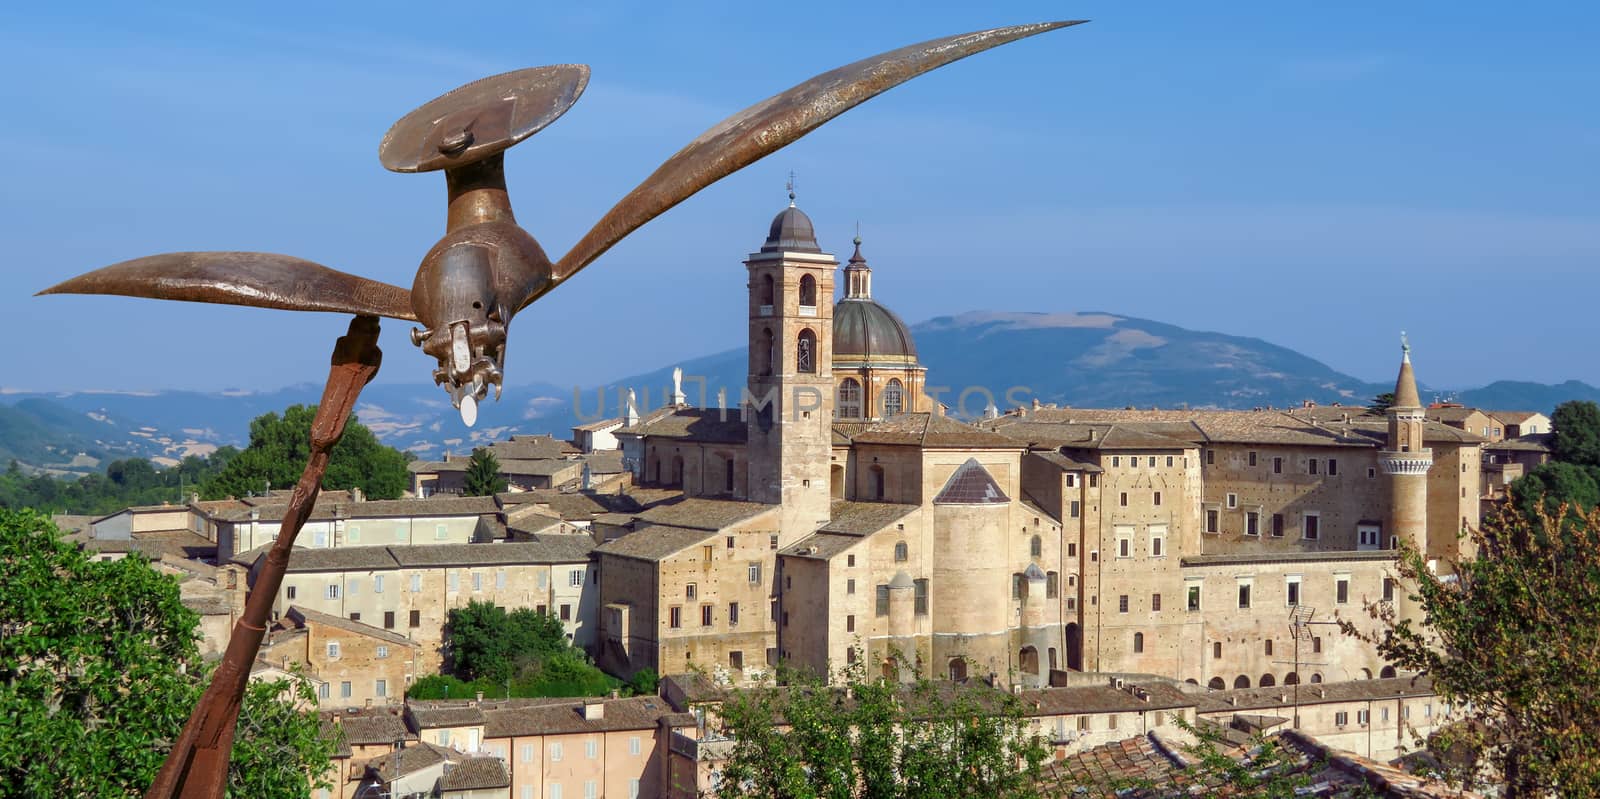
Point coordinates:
pixel 468 287
pixel 487 268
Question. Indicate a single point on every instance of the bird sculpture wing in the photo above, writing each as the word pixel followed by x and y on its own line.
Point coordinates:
pixel 762 129
pixel 257 279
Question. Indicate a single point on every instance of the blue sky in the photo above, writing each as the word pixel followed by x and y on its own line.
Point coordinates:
pixel 1318 175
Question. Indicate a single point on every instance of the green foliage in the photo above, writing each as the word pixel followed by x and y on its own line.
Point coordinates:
pixel 1576 425
pixel 281 445
pixel 98 672
pixel 1381 404
pixel 877 740
pixel 134 481
pixel 1511 642
pixel 483 475
pixel 524 649
pixel 645 682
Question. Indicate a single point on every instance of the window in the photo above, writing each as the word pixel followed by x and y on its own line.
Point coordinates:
pixel 893 398
pixel 633 787
pixel 1019 586
pixel 416 583
pixel 1156 498
pixel 1341 718
pixel 733 613
pixel 591 749
pixel 288 593
pixel 1371 472
pixel 1216 650
pixel 1122 603
pixel 883 600
pixel 1251 456
pixel 355 616
pixel 575 578
pixel 1341 590
pixel 1158 537
pixel 1311 466
pixel 1312 525
pixel 1277 465
pixel 1388 589
pixel 920 590
pixel 566 612
pixel 1155 601
pixel 333 591
pixel 333 649
pixel 1267 645
pixel 441 532
pixel 455 580
pixel 1152 461
pixel 555 787
pixel 1252 522
pixel 675 617
pixel 381 652
pixel 1036 547
pixel 380 688
pixel 1244 595
pixel 633 746
pixel 1124 548
pixel 416 618
pixel 901 552
pixel 850 623
pixel 850 399
pixel 688 590
pixel 1138 643
pixel 1072 550
pixel 1363 717
pixel 1213 520
pixel 850 560
pixel 477 581
pixel 705 615
pixel 1072 481
pixel 377 584
pixel 1122 499
pixel 805 356
pixel 1074 508
pixel 1211 457
pixel 323 691
pixel 754 573
pixel 1333 467
pixel 1233 501
pixel 555 752
pixel 1277 525
pixel 1292 589
pixel 388 620
pixel 344 690
pixel 850 586
pixel 1116 461
pixel 1052 585
pixel 1316 648
pixel 1194 596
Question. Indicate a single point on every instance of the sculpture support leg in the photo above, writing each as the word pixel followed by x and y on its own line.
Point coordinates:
pixel 197 766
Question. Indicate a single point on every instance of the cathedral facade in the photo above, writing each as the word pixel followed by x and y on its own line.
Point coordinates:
pixel 837 518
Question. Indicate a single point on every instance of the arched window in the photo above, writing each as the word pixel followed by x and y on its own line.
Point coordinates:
pixel 1267 681
pixel 1366 674
pixel 1028 660
pixel 1216 684
pixel 890 671
pixel 765 352
pixel 767 292
pixel 958 669
pixel 1138 643
pixel 1388 671
pixel 1316 677
pixel 805 356
pixel 1036 547
pixel 808 291
pixel 850 399
pixel 901 552
pixel 1241 681
pixel 894 398
pixel 1292 678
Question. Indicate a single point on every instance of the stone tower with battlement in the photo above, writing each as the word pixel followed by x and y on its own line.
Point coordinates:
pixel 790 393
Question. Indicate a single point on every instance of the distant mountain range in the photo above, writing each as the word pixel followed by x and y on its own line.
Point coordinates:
pixel 1084 359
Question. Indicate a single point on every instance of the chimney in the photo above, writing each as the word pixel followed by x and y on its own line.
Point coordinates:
pixel 478 699
pixel 677 386
pixel 630 410
pixel 594 710
pixel 357 495
pixel 337 719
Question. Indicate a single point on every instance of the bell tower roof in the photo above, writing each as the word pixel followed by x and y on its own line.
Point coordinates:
pixel 1405 386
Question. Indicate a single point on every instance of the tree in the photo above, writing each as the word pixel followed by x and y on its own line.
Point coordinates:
pixel 99 669
pixel 1576 425
pixel 522 650
pixel 877 740
pixel 1511 639
pixel 1381 404
pixel 280 446
pixel 483 474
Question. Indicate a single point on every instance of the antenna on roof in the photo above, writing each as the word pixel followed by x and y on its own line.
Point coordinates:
pixel 790 187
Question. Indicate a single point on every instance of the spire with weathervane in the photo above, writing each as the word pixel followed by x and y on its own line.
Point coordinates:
pixel 857 275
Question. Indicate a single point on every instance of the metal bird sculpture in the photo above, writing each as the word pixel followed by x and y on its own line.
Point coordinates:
pixel 487 268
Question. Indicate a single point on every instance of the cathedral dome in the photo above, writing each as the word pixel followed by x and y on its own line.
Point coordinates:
pixel 865 331
pixel 792 232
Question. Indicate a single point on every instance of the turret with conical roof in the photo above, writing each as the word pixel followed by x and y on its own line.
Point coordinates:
pixel 1406 463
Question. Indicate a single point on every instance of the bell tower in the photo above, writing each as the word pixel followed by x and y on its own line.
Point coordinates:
pixel 788 407
pixel 1405 464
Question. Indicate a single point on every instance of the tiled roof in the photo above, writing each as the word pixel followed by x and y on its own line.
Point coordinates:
pixel 1538 442
pixel 971 485
pixel 654 543
pixel 863 518
pixel 1155 695
pixel 309 616
pixel 1095 428
pixel 606 462
pixel 930 431
pixel 566 717
pixel 1452 413
pixel 1514 417
pixel 369 727
pixel 821 546
pixel 702 513
pixel 376 508
pixel 475 773
pixel 1242 699
pixel 547 549
pixel 535 522
pixel 1065 463
pixel 306 559
pixel 410 760
pixel 433 715
pixel 595 427
pixel 708 425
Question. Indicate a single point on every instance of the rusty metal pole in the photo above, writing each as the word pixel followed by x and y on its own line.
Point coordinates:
pixel 197 766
